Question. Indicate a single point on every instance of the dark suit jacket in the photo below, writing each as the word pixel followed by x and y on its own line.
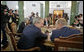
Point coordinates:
pixel 21 27
pixel 31 35
pixel 31 20
pixel 64 32
pixel 16 17
pixel 4 20
pixel 44 22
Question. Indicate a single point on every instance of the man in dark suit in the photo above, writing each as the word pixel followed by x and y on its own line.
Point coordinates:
pixel 11 19
pixel 45 22
pixel 4 21
pixel 23 25
pixel 62 30
pixel 32 35
pixel 31 17
pixel 16 15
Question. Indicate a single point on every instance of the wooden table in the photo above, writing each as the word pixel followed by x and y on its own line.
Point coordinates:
pixel 49 43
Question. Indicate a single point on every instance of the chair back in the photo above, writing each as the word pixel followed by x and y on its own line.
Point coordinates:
pixel 14 27
pixel 74 37
pixel 72 41
pixel 13 41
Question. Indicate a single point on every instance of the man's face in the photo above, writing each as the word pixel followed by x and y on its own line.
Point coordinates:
pixel 41 23
pixel 58 25
pixel 10 11
pixel 5 11
pixel 16 12
pixel 80 16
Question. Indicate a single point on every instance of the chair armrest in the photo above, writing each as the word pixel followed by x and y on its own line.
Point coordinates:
pixel 31 49
pixel 17 38
pixel 49 43
pixel 66 43
pixel 18 33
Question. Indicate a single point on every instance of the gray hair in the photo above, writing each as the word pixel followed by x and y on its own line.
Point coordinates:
pixel 25 19
pixel 62 21
pixel 36 20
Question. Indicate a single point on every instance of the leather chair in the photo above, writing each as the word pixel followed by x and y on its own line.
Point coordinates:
pixel 72 41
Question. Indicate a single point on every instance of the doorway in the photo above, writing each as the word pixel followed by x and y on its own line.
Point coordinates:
pixel 57 14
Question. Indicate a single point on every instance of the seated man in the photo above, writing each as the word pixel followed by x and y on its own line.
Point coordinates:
pixel 32 35
pixel 22 25
pixel 62 30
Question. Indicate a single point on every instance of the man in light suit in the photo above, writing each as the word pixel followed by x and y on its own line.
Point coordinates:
pixel 32 35
pixel 62 30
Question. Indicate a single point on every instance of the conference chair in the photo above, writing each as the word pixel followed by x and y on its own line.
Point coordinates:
pixel 72 41
pixel 14 43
